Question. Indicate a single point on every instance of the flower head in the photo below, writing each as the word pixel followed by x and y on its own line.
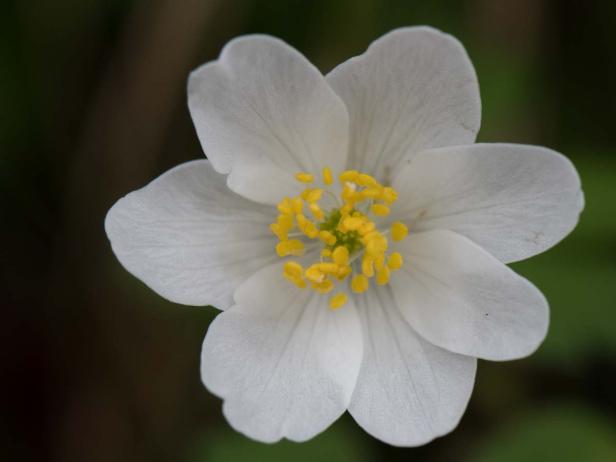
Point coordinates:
pixel 352 232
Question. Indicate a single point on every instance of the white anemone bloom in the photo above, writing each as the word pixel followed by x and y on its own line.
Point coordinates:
pixel 353 234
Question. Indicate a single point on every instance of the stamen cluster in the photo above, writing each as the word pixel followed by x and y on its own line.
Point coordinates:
pixel 347 232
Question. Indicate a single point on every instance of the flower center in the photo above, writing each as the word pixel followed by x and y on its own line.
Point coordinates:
pixel 353 246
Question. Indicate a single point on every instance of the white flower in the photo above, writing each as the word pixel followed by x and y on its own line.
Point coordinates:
pixel 395 342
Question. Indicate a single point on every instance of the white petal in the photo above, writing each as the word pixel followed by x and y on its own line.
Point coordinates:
pixel 285 363
pixel 459 297
pixel 513 200
pixel 413 89
pixel 263 113
pixel 408 391
pixel 189 238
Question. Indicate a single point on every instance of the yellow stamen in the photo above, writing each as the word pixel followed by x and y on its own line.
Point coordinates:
pixel 304 177
pixel 395 261
pixel 293 268
pixel 280 233
pixel 352 223
pixel 366 228
pixel 311 231
pixel 379 262
pixel 382 276
pixel 376 245
pixel 297 205
pixel 348 175
pixel 398 231
pixel 388 195
pixel 343 272
pixel 329 268
pixel 380 210
pixel 366 180
pixel 323 287
pixel 328 238
pixel 337 300
pixel 290 247
pixel 346 209
pixel 299 282
pixel 348 194
pixel 371 193
pixel 314 195
pixel 350 238
pixel 306 226
pixel 360 283
pixel 314 274
pixel 369 236
pixel 293 272
pixel 285 206
pixel 328 178
pixel 285 222
pixel 367 266
pixel 317 212
pixel 341 255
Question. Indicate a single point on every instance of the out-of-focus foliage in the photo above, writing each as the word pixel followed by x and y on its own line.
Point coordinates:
pixel 92 105
pixel 338 444
pixel 557 433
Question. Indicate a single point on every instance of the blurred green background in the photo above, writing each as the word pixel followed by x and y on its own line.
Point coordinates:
pixel 95 367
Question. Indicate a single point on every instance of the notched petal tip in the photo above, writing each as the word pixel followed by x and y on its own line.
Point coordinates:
pixel 413 89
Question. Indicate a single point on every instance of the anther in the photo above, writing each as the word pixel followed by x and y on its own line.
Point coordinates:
pixel 297 204
pixel 341 255
pixel 317 212
pixel 314 195
pixel 285 206
pixel 366 180
pixel 382 276
pixel 323 287
pixel 343 272
pixel 337 300
pixel 348 175
pixel 352 223
pixel 395 261
pixel 314 274
pixel 379 210
pixel 360 283
pixel 290 247
pixel 328 178
pixel 367 266
pixel 398 231
pixel 328 268
pixel 304 177
pixel 388 195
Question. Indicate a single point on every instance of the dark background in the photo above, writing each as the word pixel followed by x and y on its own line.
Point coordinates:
pixel 95 367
